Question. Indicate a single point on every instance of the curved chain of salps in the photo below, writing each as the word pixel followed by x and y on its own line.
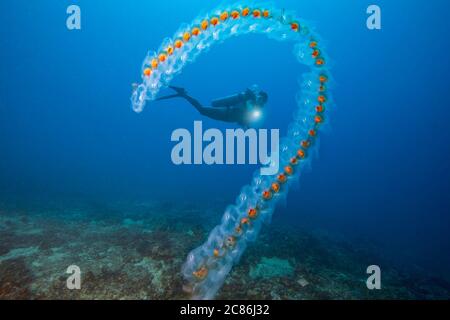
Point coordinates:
pixel 208 265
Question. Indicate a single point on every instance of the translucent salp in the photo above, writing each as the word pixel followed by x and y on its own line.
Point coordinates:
pixel 207 266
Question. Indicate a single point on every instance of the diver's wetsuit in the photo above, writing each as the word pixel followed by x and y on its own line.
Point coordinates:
pixel 234 113
pixel 230 109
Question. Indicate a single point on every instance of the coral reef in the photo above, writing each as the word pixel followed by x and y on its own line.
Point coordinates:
pixel 131 250
pixel 271 267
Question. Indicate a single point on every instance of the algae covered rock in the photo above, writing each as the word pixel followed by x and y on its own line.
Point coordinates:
pixel 271 267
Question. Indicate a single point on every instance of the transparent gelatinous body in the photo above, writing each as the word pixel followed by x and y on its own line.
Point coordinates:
pixel 207 266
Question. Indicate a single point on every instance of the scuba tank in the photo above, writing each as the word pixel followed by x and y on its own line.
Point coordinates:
pixel 252 93
pixel 229 101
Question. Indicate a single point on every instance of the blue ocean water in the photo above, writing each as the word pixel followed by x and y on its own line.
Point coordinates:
pixel 67 128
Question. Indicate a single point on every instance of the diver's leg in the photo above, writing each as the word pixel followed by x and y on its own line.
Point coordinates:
pixel 178 90
pixel 169 97
pixel 195 103
pixel 220 113
pixel 181 93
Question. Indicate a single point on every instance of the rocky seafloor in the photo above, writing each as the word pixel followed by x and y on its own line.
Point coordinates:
pixel 136 250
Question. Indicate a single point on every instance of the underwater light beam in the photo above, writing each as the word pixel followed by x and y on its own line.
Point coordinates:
pixel 207 266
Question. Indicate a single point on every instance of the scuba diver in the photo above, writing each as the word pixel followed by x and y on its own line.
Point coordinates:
pixel 243 108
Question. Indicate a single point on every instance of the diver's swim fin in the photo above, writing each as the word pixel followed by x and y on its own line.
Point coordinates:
pixel 179 90
pixel 180 93
pixel 169 97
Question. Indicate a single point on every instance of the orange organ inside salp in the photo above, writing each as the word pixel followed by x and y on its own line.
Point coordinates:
pixel 201 273
pixel 318 119
pixel 244 221
pixel 186 36
pixel 252 213
pixel 224 16
pixel 289 170
pixel 281 178
pixel 147 72
pixel 214 21
pixel 178 44
pixel 275 187
pixel 267 195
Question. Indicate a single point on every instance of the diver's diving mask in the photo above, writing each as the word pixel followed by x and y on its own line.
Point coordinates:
pixel 258 96
pixel 255 103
